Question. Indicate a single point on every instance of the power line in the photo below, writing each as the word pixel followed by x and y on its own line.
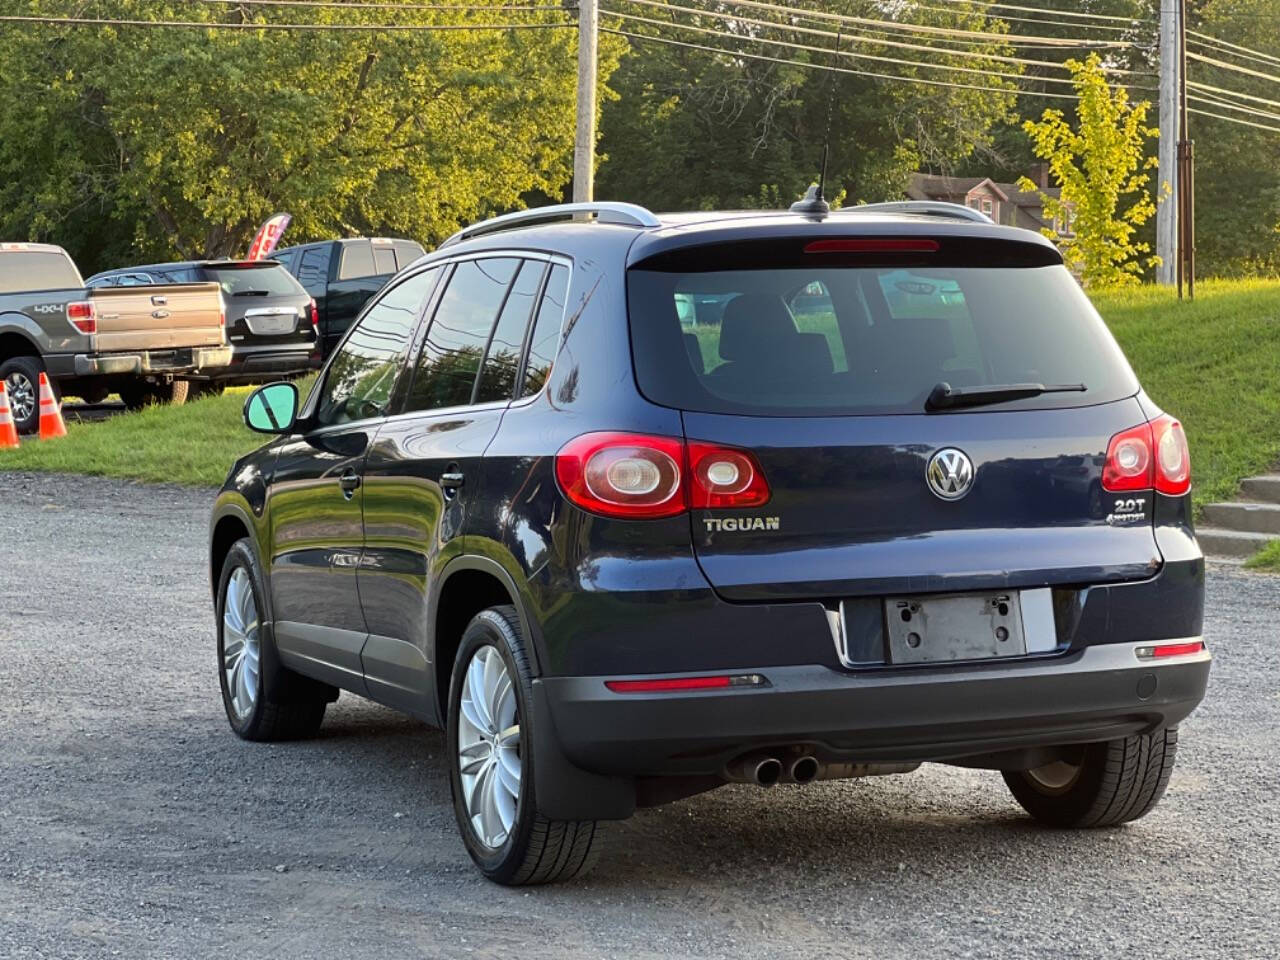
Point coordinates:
pixel 1008 19
pixel 1235 68
pixel 929 29
pixel 897 44
pixel 818 66
pixel 1057 13
pixel 1196 85
pixel 1218 116
pixel 1214 101
pixel 314 27
pixel 1246 53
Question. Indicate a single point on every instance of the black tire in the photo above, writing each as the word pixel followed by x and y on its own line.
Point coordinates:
pixel 287 706
pixel 136 394
pixel 206 388
pixel 23 373
pixel 537 850
pixel 1114 782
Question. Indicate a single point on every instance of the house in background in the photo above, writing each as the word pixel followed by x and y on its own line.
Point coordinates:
pixel 1002 202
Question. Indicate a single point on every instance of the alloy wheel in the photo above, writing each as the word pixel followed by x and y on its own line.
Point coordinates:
pixel 241 644
pixel 1054 778
pixel 489 747
pixel 22 395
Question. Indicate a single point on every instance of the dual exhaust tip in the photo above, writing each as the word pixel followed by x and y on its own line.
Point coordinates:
pixel 766 771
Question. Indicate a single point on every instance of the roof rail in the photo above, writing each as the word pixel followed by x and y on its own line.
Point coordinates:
pixel 922 208
pixel 629 214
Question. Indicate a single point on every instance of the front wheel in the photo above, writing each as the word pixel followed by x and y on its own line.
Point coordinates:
pixel 492 762
pixel 263 700
pixel 1101 784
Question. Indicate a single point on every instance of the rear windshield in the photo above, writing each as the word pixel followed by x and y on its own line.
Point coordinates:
pixel 265 280
pixel 865 340
pixel 37 270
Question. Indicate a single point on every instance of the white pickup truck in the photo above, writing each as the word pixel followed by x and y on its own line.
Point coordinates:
pixel 144 343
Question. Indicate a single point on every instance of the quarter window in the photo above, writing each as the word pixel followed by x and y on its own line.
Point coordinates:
pixel 364 368
pixel 502 360
pixel 545 339
pixel 455 341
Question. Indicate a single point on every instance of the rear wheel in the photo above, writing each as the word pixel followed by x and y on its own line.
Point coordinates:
pixel 1102 784
pixel 492 763
pixel 263 700
pixel 21 376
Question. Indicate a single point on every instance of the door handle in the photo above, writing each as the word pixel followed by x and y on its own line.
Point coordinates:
pixel 452 480
pixel 349 482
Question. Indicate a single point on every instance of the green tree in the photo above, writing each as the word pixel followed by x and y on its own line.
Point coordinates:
pixel 146 142
pixel 1100 164
pixel 1237 181
pixel 692 129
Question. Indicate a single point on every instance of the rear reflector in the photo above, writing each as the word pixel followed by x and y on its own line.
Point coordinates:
pixel 83 316
pixel 663 684
pixel 873 245
pixel 1162 650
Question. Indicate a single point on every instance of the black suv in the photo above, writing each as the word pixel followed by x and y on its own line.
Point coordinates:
pixel 634 507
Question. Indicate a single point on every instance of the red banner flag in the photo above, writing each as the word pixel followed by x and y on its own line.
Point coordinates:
pixel 269 235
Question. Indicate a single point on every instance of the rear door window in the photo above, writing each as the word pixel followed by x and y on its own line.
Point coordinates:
pixel 875 339
pixel 449 359
pixel 502 359
pixel 384 259
pixel 357 261
pixel 544 340
pixel 313 269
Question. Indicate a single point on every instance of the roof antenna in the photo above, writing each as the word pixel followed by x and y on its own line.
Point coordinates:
pixel 814 203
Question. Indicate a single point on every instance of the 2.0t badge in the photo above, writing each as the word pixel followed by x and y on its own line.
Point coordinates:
pixel 949 473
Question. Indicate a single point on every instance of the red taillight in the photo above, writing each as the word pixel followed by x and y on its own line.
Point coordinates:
pixel 83 316
pixel 315 316
pixel 637 475
pixel 724 477
pixel 1162 650
pixel 623 474
pixel 1149 456
pixel 873 245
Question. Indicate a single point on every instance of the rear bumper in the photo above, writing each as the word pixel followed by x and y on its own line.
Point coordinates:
pixel 253 365
pixel 885 715
pixel 180 360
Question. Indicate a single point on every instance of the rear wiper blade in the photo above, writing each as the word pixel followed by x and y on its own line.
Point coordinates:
pixel 946 397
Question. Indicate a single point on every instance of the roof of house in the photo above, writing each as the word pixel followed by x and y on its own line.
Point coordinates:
pixel 929 186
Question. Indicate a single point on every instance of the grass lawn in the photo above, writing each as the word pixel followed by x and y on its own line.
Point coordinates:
pixel 1214 363
pixel 194 444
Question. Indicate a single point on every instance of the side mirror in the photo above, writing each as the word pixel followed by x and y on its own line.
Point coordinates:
pixel 272 409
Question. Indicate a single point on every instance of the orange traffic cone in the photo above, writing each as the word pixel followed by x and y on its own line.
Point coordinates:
pixel 51 424
pixel 8 429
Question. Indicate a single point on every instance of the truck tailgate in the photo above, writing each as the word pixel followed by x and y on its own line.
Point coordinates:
pixel 158 317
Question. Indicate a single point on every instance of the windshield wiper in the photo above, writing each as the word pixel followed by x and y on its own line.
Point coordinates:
pixel 946 397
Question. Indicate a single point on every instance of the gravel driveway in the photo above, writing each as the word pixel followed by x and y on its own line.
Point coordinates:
pixel 135 825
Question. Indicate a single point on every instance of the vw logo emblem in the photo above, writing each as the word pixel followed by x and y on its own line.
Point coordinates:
pixel 950 473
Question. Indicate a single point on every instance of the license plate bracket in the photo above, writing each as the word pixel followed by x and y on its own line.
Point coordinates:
pixel 969 626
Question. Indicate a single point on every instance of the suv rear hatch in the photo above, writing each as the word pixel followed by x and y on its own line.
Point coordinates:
pixel 820 358
pixel 266 306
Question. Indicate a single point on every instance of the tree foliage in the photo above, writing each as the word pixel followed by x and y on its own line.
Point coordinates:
pixel 138 143
pixel 693 130
pixel 1100 164
pixel 1237 181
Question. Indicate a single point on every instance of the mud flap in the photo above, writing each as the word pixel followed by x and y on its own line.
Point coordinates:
pixel 565 791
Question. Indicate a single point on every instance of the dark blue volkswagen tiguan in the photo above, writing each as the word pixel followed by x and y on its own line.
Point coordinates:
pixel 637 506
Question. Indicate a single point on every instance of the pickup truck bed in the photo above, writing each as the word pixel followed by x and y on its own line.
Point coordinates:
pixel 141 343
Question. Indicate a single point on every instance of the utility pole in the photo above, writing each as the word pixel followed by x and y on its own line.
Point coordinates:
pixel 1167 209
pixel 1186 171
pixel 584 144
